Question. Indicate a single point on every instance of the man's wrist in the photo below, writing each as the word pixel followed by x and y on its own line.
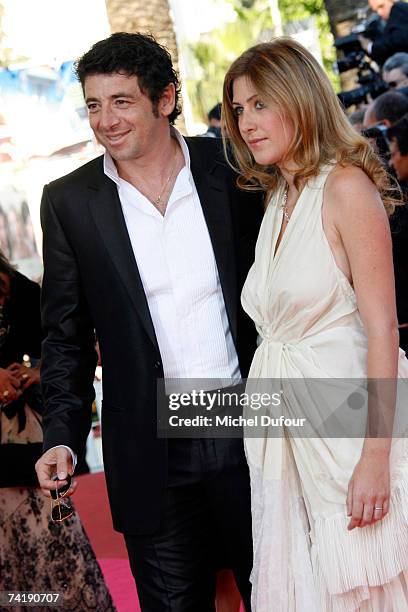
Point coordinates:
pixel 73 455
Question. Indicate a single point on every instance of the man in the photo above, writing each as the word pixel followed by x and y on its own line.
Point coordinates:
pixel 214 122
pixel 386 109
pixel 395 35
pixel 357 118
pixel 395 71
pixel 398 137
pixel 149 246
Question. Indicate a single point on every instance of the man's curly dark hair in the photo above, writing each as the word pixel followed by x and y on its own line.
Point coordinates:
pixel 133 54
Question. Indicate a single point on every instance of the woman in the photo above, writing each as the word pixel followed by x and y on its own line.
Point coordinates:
pixel 36 554
pixel 330 513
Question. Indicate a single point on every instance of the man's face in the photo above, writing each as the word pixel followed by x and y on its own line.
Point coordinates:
pixel 122 117
pixel 398 162
pixel 381 7
pixel 395 78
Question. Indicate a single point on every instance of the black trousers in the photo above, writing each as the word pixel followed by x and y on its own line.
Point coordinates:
pixel 206 526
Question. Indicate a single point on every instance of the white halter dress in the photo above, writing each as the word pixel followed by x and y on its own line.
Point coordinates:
pixel 305 310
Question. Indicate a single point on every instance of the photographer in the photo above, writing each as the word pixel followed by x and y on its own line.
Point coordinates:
pixel 391 109
pixel 357 118
pixel 386 109
pixel 395 35
pixel 398 139
pixel 395 71
pixel 398 144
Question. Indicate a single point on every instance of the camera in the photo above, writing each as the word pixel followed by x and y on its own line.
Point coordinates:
pixel 370 28
pixel 354 56
pixel 374 88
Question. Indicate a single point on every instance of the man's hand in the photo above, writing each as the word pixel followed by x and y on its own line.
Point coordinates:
pixel 365 43
pixel 55 461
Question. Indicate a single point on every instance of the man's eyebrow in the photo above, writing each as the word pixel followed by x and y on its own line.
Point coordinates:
pixel 248 100
pixel 113 97
pixel 123 94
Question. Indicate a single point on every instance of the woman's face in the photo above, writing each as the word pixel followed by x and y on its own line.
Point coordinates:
pixel 266 132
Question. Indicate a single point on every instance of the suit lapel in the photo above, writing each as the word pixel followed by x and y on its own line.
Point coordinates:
pixel 212 190
pixel 107 213
pixel 215 202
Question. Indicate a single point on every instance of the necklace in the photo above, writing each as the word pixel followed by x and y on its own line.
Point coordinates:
pixel 284 206
pixel 158 199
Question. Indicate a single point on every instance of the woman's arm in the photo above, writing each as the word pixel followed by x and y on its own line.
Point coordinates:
pixel 358 222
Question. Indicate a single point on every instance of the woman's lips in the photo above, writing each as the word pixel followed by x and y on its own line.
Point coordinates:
pixel 255 142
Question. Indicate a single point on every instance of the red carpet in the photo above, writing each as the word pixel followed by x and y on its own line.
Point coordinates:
pixel 91 501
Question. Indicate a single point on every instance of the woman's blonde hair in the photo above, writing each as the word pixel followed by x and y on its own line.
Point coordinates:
pixel 286 74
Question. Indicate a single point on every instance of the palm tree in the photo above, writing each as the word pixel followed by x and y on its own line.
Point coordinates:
pixel 152 16
pixel 148 16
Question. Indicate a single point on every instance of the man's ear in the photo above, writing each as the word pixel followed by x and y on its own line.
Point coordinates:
pixel 167 100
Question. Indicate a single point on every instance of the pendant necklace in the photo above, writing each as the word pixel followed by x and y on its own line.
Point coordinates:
pixel 284 207
pixel 157 200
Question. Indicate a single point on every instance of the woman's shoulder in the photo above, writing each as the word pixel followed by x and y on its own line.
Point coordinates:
pixel 345 178
pixel 349 186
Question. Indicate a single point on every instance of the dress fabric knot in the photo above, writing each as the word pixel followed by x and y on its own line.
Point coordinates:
pixel 269 335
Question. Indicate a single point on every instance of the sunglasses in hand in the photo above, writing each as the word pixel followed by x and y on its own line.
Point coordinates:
pixel 61 507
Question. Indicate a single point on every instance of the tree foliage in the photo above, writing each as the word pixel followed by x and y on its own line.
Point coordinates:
pixel 7 56
pixel 214 52
pixel 2 50
pixel 293 10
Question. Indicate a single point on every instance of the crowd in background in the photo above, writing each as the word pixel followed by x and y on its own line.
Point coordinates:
pixel 385 122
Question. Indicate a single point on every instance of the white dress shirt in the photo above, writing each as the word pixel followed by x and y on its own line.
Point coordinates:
pixel 177 266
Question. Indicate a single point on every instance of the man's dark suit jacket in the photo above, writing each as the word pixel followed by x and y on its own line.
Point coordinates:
pixel 92 284
pixel 395 35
